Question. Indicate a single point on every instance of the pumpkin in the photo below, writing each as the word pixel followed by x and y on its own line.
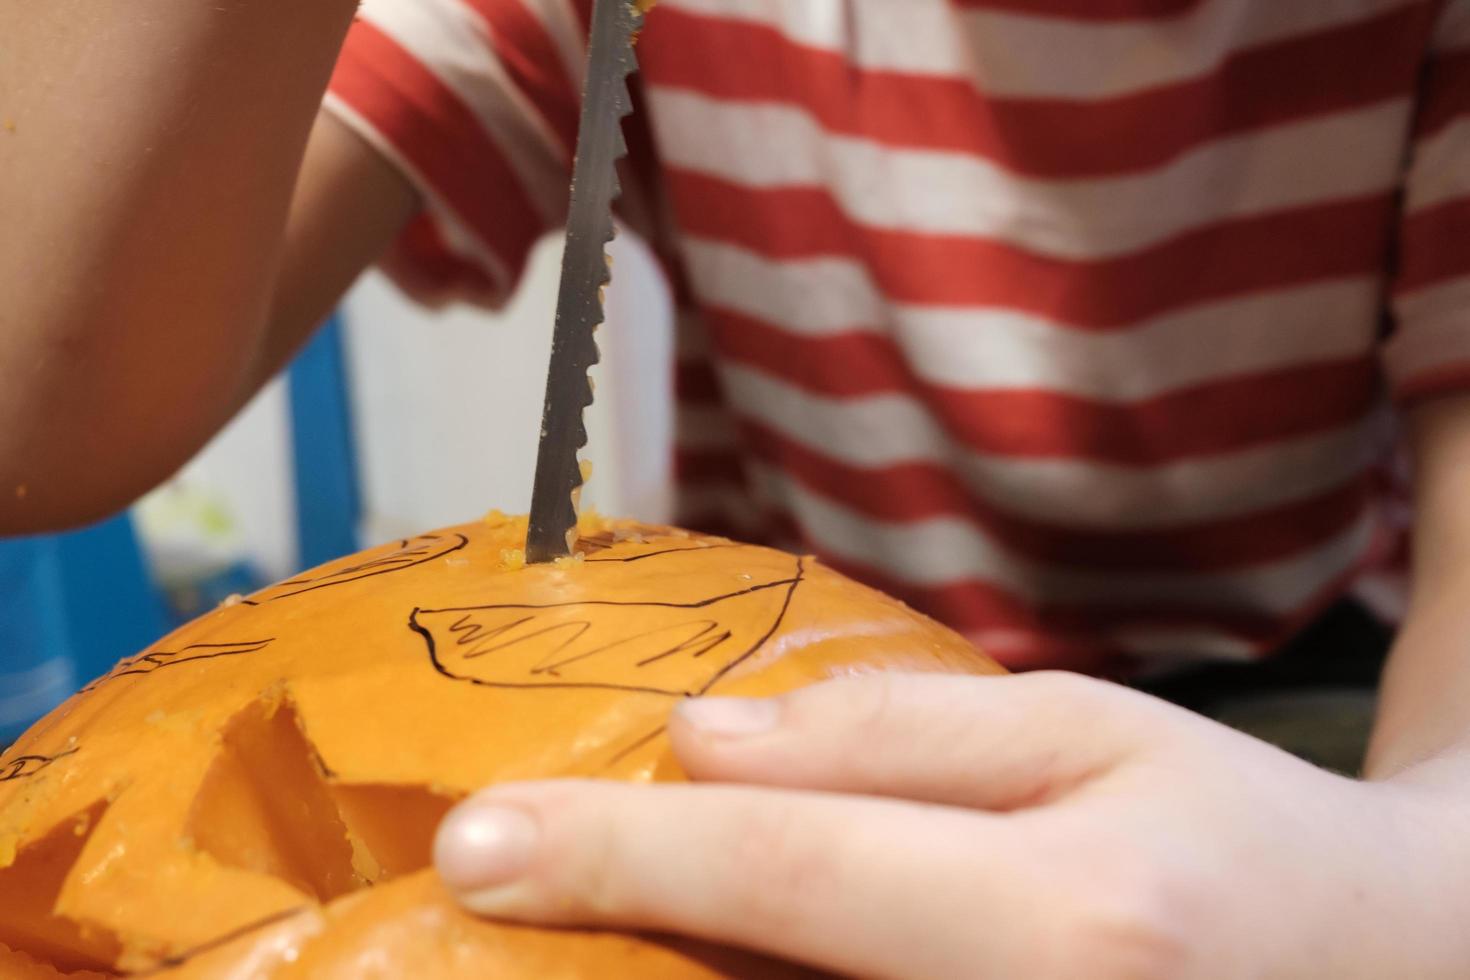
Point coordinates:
pixel 256 795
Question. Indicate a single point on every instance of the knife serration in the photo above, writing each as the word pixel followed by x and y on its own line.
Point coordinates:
pixel 584 274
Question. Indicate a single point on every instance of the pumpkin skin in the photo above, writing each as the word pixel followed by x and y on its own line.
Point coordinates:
pixel 219 805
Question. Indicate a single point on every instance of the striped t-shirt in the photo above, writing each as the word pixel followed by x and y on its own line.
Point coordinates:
pixel 1078 324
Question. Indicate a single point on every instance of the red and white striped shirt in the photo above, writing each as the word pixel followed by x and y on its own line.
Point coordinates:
pixel 1078 324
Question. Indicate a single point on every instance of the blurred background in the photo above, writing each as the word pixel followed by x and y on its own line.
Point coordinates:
pixel 395 420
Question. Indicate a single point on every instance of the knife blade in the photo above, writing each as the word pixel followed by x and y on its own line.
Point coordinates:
pixel 585 272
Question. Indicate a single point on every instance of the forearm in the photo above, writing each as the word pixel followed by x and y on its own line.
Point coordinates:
pixel 150 152
pixel 1424 712
pixel 1419 761
pixel 1423 727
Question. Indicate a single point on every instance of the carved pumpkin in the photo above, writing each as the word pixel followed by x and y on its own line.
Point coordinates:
pixel 218 805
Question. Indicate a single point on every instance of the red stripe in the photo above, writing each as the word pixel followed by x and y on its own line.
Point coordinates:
pixel 1449 379
pixel 422 264
pixel 695 383
pixel 1221 416
pixel 440 137
pixel 533 62
pixel 1329 71
pixel 920 491
pixel 1446 97
pixel 1228 259
pixel 841 365
pixel 1436 246
pixel 698 467
pixel 583 10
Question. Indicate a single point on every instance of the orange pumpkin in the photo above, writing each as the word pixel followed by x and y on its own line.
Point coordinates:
pixel 218 805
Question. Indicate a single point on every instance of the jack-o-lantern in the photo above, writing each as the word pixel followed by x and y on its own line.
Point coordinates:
pixel 255 796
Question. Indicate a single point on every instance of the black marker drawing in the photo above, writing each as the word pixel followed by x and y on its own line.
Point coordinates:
pixel 23 766
pixel 679 649
pixel 676 649
pixel 147 663
pixel 629 749
pixel 410 552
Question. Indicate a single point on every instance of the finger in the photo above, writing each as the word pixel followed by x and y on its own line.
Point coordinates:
pixel 860 886
pixel 989 742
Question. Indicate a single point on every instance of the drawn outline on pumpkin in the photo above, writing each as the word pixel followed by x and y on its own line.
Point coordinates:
pixel 465 630
pixel 25 766
pixel 152 660
pixel 694 643
pixel 333 576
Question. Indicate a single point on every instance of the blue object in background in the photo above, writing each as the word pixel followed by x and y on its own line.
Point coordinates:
pixel 112 609
pixel 328 505
pixel 72 605
pixel 35 669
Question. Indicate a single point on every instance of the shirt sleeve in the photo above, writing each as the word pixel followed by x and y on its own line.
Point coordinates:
pixel 476 102
pixel 1428 353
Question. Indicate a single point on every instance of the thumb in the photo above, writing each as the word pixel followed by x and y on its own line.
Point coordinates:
pixel 997 743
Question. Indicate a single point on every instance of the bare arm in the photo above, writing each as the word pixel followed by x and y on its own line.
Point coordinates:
pixel 177 216
pixel 1424 719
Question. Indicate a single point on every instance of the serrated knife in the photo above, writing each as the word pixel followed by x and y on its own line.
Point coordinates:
pixel 584 273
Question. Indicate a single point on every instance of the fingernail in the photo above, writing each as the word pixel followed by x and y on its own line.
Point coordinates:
pixel 484 845
pixel 730 716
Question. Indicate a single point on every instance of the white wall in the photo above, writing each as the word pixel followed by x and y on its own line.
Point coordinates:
pixel 447 409
pixel 234 499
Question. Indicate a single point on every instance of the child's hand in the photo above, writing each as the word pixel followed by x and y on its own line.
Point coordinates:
pixel 1035 826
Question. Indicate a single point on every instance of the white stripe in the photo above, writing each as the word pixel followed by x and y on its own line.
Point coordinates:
pixel 564 27
pixel 453 42
pixel 1020 55
pixel 888 430
pixel 1443 300
pixel 1440 170
pixel 1179 646
pixel 1386 593
pixel 1174 647
pixel 1453 31
pixel 943 550
pixel 942 193
pixel 1425 345
pixel 1095 61
pixel 996 348
pixel 462 241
